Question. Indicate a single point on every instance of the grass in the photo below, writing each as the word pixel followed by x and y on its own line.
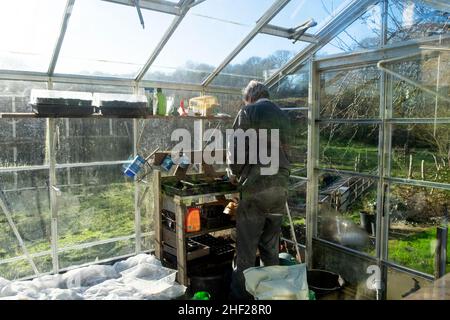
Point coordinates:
pixel 86 215
pixel 415 251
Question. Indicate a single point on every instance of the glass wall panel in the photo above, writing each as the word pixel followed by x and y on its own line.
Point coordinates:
pixel 95 203
pixel 415 19
pixel 148 243
pixel 291 93
pixel 401 284
pixel 230 104
pixel 347 211
pixel 421 152
pixel 92 88
pixel 350 94
pixel 90 140
pixel 15 95
pixel 150 138
pixel 292 90
pixel 22 142
pixel 25 197
pixel 351 267
pixel 349 147
pixel 415 214
pixel 22 268
pixel 432 73
pixel 75 257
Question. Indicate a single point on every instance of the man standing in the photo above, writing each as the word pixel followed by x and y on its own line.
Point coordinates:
pixel 263 197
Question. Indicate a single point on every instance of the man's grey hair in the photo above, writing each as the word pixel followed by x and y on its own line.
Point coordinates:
pixel 254 91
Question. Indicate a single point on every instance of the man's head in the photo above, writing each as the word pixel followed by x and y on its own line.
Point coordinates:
pixel 254 91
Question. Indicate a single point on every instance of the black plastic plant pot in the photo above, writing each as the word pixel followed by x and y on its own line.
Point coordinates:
pixel 324 282
pixel 368 221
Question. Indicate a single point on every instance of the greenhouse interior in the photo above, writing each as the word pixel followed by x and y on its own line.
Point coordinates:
pixel 365 85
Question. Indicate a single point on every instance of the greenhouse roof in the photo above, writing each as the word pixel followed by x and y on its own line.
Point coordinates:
pixel 191 42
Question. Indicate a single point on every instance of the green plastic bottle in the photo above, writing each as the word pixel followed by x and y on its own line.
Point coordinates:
pixel 201 295
pixel 162 102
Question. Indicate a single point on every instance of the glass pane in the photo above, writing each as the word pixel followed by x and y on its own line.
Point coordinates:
pixel 92 88
pixel 96 203
pixel 195 49
pixel 420 152
pixel 412 101
pixel 76 257
pixel 29 30
pixel 347 211
pixel 352 268
pixel 364 33
pixel 289 93
pixel 148 243
pixel 150 138
pixel 415 19
pixel 297 208
pixel 22 268
pixel 350 94
pixel 232 11
pixel 229 103
pixel 259 60
pixel 415 215
pixel 25 195
pixel 400 284
pixel 292 90
pixel 349 147
pixel 297 12
pixel 90 140
pixel 22 142
pixel 15 95
pixel 96 44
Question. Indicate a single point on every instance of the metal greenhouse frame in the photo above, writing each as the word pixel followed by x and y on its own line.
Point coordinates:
pixel 353 10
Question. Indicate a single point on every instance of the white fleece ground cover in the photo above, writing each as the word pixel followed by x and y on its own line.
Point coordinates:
pixel 141 277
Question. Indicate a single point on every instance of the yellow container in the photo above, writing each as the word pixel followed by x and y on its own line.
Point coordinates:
pixel 203 105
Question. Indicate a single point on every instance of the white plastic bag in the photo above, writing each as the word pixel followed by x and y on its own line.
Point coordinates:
pixel 277 282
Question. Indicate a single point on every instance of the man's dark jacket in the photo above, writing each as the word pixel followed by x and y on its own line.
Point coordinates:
pixel 262 114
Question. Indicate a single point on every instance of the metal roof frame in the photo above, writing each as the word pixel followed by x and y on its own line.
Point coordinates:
pixel 286 33
pixel 62 33
pixel 185 5
pixel 342 20
pixel 108 81
pixel 264 20
pixel 154 5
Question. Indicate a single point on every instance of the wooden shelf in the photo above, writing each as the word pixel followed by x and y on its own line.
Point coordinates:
pixel 206 231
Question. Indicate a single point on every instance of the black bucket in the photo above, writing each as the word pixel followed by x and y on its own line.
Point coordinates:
pixel 324 282
pixel 215 282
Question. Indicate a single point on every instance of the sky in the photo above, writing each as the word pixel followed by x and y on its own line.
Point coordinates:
pixel 108 38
